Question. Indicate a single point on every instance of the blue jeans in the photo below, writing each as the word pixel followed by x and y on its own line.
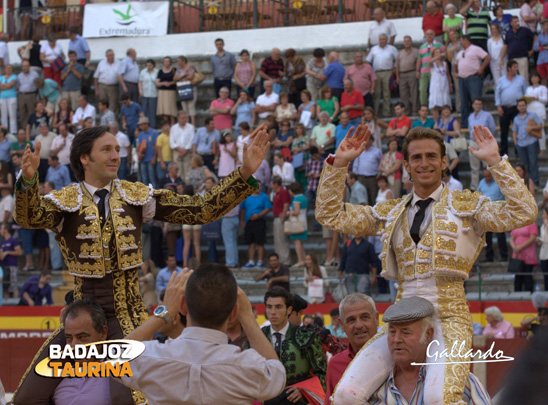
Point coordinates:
pixel 528 156
pixel 147 174
pixel 55 253
pixel 26 236
pixel 354 122
pixel 212 251
pixel 161 173
pixel 149 105
pixel 470 88
pixel 229 230
pixel 122 170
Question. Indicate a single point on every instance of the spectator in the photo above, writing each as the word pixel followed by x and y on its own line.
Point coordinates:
pixel 220 110
pixel 266 102
pixel 244 110
pixel 452 22
pixel 61 145
pixel 272 69
pixel 198 173
pixel 227 155
pixel 521 170
pixel 502 20
pixel 423 120
pixel 489 188
pixel 366 166
pixel 526 143
pixel 284 139
pixel 295 70
pixel 187 72
pixel 163 151
pixel 522 242
pixel 313 172
pixel 33 124
pixel 391 167
pixel 359 321
pixel 451 183
pixel 363 77
pixel 35 289
pixel 541 46
pixel 406 75
pixel 452 160
pixel 307 112
pixel 358 193
pixel 477 118
pixel 510 88
pixel 148 91
pixel 380 25
pixel 171 178
pixel 286 110
pixel 298 207
pixel 283 169
pixel 329 103
pixel 375 125
pixel 167 92
pixel 538 94
pixel 400 125
pixel 423 64
pixel 48 93
pixel 433 20
pixel 181 136
pixel 384 193
pixel 191 233
pixel 131 112
pixel 448 126
pixel 335 329
pixel 277 275
pixel 4 52
pixel 147 152
pixel 323 135
pixel 80 46
pixel 314 273
pixel 314 73
pixel 383 58
pixel 34 54
pixel 18 147
pixel 26 92
pixel 147 285
pixel 125 150
pixel 441 85
pixel 163 276
pixel 453 47
pixel 128 75
pixel 49 52
pixel 352 102
pixel 358 265
pixel 8 99
pixel 106 81
pixel 45 137
pixel 5 145
pixel 7 206
pixel 497 327
pixel 72 80
pixel 527 16
pixel 229 232
pixel 245 74
pixel 543 252
pixel 63 116
pixel 334 75
pixel 494 46
pixel 518 45
pixel 342 129
pixel 222 66
pixel 280 208
pixel 106 116
pixel 477 23
pixel 206 143
pixel 10 250
pixel 299 149
pixel 84 110
pixel 252 213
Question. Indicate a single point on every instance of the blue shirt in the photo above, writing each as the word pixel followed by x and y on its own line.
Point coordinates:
pixel 163 277
pixel 340 133
pixel 491 190
pixel 35 293
pixel 483 118
pixel 244 114
pixel 150 138
pixel 5 150
pixel 255 205
pixel 520 123
pixel 204 140
pixel 129 69
pixel 542 40
pixel 131 113
pixel 367 164
pixel 518 42
pixel 9 93
pixel 429 123
pixel 80 46
pixel 49 91
pixel 335 75
pixel 71 82
pixel 508 91
pixel 60 176
pixel 357 258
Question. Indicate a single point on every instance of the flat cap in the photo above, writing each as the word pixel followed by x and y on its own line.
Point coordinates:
pixel 299 303
pixel 408 309
pixel 143 120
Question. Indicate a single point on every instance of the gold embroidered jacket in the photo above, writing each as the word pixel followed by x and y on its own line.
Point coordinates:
pixel 90 250
pixel 453 243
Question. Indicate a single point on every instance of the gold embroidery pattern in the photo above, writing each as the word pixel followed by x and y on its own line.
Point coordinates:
pixel 127 242
pixel 446 228
pixel 90 251
pixel 133 193
pixel 465 202
pixel 128 261
pixel 35 212
pixel 90 231
pixel 68 198
pixel 446 245
pixel 383 209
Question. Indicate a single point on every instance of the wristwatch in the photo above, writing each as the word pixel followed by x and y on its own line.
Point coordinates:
pixel 161 312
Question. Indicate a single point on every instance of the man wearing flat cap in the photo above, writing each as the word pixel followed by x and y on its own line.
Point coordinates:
pixel 146 152
pixel 410 332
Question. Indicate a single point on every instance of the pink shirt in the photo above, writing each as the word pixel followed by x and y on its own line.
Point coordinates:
pixel 469 60
pixel 521 235
pixel 503 330
pixel 526 11
pixel 222 121
pixel 362 77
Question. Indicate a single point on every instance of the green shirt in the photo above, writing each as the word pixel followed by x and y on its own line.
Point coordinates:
pixel 49 91
pixel 319 133
pixel 16 146
pixel 328 105
pixel 478 24
pixel 429 123
pixel 452 22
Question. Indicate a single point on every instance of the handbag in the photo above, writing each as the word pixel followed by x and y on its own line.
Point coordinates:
pixel 537 133
pixel 58 64
pixel 184 91
pixel 298 160
pixel 197 78
pixel 459 143
pixel 339 292
pixel 212 231
pixel 315 288
pixel 293 226
pixel 25 52
pixel 287 154
pixel 516 266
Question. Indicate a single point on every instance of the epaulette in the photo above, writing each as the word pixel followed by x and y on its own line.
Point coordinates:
pixel 465 203
pixel 134 193
pixel 67 199
pixel 382 210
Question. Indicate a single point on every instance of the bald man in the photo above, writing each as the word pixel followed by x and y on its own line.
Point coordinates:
pixel 334 75
pixel 380 25
pixel 272 69
pixel 128 75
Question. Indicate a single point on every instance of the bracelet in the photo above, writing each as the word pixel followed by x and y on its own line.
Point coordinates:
pixel 29 182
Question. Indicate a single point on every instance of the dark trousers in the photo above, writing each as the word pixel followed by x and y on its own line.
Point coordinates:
pixel 212 252
pixel 368 100
pixel 524 282
pixel 337 92
pixel 370 184
pixel 218 83
pixel 507 117
pixel 282 400
pixel 544 267
pixel 43 170
pixel 250 90
pixel 208 161
pixel 132 91
pixel 469 88
pixel 501 243
pixel 482 43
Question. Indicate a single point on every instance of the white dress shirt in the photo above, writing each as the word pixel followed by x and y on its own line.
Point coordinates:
pixel 64 153
pixel 106 73
pixel 124 143
pixel 413 209
pixel 266 101
pixel 282 331
pixel 384 27
pixel 91 189
pixel 181 137
pixel 382 58
pixel 82 113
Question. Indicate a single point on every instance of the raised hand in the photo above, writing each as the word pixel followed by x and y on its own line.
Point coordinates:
pixel 351 146
pixel 31 161
pixel 253 155
pixel 488 148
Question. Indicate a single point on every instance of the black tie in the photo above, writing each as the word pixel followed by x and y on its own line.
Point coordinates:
pixel 419 217
pixel 102 194
pixel 278 344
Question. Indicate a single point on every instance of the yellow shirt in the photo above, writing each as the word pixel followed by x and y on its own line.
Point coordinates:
pixel 163 143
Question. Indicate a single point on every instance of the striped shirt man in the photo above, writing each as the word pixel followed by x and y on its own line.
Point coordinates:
pixel 478 24
pixel 425 54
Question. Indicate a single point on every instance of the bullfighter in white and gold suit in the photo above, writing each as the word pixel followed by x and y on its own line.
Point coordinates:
pixel 430 259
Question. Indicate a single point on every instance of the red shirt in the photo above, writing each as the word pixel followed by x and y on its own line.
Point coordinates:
pixel 335 369
pixel 400 123
pixel 434 22
pixel 354 98
pixel 280 199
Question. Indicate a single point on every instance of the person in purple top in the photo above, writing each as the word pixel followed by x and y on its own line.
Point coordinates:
pixel 10 248
pixel 35 289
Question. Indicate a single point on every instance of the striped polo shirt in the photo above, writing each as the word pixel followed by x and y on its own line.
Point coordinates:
pixel 425 53
pixel 478 24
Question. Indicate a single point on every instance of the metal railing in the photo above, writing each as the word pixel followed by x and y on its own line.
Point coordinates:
pixel 23 23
